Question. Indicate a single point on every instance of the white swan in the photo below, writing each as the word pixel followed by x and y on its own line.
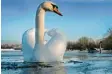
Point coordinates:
pixel 34 49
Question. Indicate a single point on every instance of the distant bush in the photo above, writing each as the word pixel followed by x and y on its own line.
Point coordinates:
pixel 82 44
pixel 107 42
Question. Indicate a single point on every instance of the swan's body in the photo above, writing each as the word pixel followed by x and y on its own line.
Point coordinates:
pixel 33 45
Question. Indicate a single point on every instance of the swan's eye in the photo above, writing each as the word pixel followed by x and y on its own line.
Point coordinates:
pixel 54 6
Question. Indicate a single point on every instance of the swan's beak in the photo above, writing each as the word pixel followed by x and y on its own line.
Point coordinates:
pixel 57 11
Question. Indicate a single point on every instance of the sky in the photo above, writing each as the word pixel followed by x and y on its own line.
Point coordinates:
pixel 90 18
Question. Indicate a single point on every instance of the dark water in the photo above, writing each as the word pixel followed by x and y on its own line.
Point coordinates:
pixel 74 63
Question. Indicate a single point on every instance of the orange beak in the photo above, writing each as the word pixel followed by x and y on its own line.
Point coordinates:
pixel 57 11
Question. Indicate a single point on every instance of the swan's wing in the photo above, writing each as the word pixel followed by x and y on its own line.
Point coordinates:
pixel 29 38
pixel 28 42
pixel 56 46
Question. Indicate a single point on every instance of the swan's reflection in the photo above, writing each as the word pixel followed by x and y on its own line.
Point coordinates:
pixel 54 69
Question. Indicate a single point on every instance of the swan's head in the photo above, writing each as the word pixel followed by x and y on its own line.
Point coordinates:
pixel 50 6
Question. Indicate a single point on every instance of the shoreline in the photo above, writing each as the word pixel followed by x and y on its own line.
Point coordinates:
pixel 103 51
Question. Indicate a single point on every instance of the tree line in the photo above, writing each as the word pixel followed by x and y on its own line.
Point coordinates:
pixel 11 46
pixel 85 43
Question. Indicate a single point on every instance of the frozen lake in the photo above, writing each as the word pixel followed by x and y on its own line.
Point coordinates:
pixel 75 62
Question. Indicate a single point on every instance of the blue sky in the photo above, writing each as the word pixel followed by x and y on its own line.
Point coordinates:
pixel 80 18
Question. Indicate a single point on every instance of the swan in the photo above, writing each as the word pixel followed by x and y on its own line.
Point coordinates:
pixel 33 46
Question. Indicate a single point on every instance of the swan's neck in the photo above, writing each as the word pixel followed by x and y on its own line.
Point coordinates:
pixel 39 35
